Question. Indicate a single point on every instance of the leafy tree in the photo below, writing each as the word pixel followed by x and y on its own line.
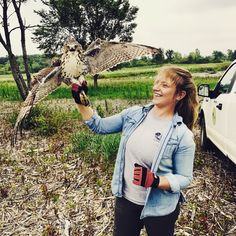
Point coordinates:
pixel 234 55
pixel 177 57
pixel 169 55
pixel 231 55
pixel 218 56
pixel 159 58
pixel 3 60
pixel 35 63
pixel 195 57
pixel 86 20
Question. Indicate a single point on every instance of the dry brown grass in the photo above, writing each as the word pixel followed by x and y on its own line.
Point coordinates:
pixel 47 191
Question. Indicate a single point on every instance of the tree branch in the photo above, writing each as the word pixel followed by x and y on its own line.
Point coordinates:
pixel 17 27
pixel 5 25
pixel 3 42
pixel 23 42
pixel 26 27
pixel 10 15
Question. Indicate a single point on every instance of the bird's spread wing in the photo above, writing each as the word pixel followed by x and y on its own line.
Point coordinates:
pixel 50 80
pixel 45 81
pixel 102 55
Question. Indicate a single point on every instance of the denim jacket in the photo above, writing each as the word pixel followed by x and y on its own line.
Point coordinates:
pixel 173 159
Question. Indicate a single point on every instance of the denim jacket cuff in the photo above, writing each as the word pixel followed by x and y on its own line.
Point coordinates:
pixel 174 184
pixel 90 121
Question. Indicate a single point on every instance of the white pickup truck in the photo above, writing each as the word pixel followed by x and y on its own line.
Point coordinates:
pixel 218 114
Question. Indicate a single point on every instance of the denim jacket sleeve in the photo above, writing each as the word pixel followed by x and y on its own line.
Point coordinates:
pixel 182 173
pixel 106 125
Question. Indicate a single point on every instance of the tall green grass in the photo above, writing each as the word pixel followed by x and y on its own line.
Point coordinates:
pixel 45 121
pixel 9 91
pixel 94 147
pixel 127 83
pixel 126 88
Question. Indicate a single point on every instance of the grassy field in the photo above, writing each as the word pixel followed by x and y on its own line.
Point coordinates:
pixel 151 70
pixel 146 71
pixel 59 172
pixel 127 83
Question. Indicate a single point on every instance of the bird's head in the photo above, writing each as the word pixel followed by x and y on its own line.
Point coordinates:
pixel 71 45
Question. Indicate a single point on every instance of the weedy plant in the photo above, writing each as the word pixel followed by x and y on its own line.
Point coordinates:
pixel 95 148
pixel 45 121
pixel 9 91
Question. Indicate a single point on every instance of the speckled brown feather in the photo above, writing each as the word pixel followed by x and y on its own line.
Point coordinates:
pixel 102 55
pixel 41 88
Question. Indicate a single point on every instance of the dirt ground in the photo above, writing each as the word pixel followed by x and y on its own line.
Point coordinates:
pixel 44 190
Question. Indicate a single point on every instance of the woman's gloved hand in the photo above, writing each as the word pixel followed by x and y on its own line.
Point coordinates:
pixel 144 177
pixel 79 93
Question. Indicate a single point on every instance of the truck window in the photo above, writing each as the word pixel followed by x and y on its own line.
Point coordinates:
pixel 227 82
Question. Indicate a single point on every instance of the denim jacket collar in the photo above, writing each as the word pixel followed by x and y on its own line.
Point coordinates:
pixel 177 120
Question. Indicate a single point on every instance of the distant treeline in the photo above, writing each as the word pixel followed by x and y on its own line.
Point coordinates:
pixel 37 62
pixel 170 56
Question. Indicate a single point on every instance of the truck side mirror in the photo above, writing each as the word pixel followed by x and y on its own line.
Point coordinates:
pixel 204 90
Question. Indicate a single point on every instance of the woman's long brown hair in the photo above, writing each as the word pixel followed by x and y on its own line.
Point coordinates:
pixel 188 106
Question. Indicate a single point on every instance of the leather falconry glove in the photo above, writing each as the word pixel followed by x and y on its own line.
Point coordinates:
pixel 144 177
pixel 79 93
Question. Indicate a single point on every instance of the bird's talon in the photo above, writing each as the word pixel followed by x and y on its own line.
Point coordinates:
pixel 84 99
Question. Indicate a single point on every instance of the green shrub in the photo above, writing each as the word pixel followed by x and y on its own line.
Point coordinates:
pixel 44 120
pixel 50 121
pixel 110 144
pixel 94 147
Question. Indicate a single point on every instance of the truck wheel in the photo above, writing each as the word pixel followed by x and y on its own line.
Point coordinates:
pixel 204 141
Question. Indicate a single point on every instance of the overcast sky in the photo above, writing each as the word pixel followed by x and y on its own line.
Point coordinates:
pixel 181 25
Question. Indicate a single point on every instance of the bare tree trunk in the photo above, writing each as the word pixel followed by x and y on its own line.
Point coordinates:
pixel 12 59
pixel 22 87
pixel 22 30
pixel 95 80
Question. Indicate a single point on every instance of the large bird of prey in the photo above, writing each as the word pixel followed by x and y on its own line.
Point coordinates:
pixel 74 64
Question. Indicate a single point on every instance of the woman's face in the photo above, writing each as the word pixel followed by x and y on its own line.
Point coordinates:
pixel 164 92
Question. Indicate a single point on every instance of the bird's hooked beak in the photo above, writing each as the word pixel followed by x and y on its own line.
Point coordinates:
pixel 74 47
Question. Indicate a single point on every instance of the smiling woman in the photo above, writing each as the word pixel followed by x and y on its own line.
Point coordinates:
pixel 177 87
pixel 155 157
pixel 165 95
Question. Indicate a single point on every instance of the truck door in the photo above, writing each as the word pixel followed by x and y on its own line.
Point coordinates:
pixel 231 123
pixel 221 109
